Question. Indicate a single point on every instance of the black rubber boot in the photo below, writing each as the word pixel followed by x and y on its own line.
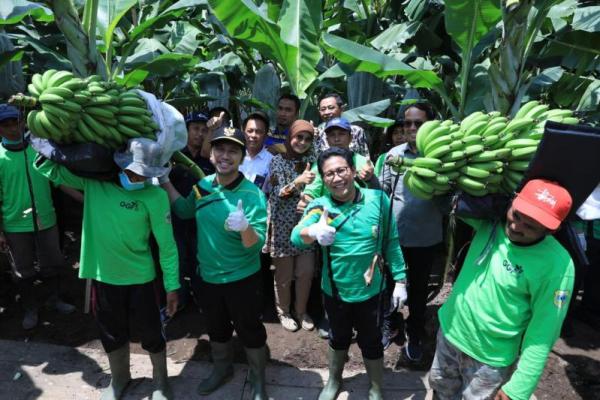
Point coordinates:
pixel 257 361
pixel 222 372
pixel 119 369
pixel 160 377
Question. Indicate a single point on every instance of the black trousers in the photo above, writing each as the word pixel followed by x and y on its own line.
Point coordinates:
pixel 235 305
pixel 419 262
pixel 362 316
pixel 591 294
pixel 118 307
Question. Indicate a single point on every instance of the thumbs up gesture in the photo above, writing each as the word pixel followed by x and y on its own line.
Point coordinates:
pixel 305 178
pixel 321 231
pixel 236 220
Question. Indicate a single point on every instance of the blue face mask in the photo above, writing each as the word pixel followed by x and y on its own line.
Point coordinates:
pixel 128 185
pixel 11 142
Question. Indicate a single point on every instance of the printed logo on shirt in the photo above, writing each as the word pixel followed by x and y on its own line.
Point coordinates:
pixel 561 297
pixel 129 205
pixel 513 269
pixel 168 218
pixel 374 231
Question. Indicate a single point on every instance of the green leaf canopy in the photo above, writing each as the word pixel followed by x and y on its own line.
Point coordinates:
pixel 292 42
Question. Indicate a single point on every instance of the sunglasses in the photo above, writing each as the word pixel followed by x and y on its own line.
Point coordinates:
pixel 417 124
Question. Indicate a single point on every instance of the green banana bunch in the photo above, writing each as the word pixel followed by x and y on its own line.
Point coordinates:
pixel 485 153
pixel 75 110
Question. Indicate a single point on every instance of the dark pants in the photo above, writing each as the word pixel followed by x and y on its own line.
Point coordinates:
pixel 186 240
pixel 362 316
pixel 118 307
pixel 235 305
pixel 591 294
pixel 419 262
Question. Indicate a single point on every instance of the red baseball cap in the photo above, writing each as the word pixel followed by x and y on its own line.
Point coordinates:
pixel 544 201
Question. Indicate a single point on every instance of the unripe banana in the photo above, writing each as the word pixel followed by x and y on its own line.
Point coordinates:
pixel 469 183
pixel 33 90
pixel 570 121
pixel 525 108
pixel 36 81
pixel 441 141
pixel 517 143
pixel 409 183
pixel 453 156
pixel 474 172
pixel 423 132
pixel 451 166
pixel 476 129
pixel 424 172
pixel 51 98
pixel 440 152
pixel 423 162
pixel 494 129
pixel 537 111
pixel 518 165
pixel 59 78
pixel 523 153
pixel 488 166
pixel 473 149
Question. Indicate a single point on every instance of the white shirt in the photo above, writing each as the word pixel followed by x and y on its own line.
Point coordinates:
pixel 256 169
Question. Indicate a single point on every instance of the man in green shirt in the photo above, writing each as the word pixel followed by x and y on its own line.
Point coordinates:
pixel 118 219
pixel 508 302
pixel 28 228
pixel 231 220
pixel 352 226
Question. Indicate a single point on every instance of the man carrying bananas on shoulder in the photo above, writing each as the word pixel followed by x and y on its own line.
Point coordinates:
pixel 359 243
pixel 231 219
pixel 118 219
pixel 508 303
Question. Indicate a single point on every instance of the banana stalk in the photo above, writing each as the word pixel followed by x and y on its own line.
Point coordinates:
pixel 181 159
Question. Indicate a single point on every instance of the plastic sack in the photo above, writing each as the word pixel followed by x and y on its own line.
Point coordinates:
pixel 89 160
pixel 172 134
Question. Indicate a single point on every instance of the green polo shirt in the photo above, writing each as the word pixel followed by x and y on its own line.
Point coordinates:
pixel 356 242
pixel 117 223
pixel 318 189
pixel 509 302
pixel 17 213
pixel 222 258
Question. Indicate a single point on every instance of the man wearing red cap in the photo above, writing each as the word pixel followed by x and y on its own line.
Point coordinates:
pixel 508 302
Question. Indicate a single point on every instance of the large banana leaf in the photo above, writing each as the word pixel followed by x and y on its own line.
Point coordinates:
pixel 467 22
pixel 110 13
pixel 366 59
pixel 396 35
pixel 587 19
pixel 13 11
pixel 292 42
pixel 373 109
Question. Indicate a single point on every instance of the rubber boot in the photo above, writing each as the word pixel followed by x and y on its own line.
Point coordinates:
pixel 222 355
pixel 120 375
pixel 160 377
pixel 375 372
pixel 337 359
pixel 257 361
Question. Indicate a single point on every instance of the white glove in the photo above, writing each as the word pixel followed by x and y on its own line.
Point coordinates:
pixel 236 220
pixel 321 232
pixel 42 146
pixel 399 296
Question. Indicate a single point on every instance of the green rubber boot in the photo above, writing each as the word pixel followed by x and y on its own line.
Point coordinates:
pixel 257 361
pixel 120 375
pixel 337 359
pixel 222 355
pixel 160 377
pixel 375 372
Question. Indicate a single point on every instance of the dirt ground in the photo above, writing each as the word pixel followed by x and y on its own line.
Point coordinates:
pixel 572 371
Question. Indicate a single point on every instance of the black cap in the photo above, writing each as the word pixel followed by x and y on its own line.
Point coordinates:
pixel 231 134
pixel 196 117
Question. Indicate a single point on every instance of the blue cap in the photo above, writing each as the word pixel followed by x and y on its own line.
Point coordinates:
pixel 341 123
pixel 8 112
pixel 196 117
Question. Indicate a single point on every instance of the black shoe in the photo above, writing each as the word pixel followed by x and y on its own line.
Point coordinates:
pixel 412 352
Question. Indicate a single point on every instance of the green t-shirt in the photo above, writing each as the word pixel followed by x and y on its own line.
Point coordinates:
pixel 222 258
pixel 117 223
pixel 509 304
pixel 355 242
pixel 318 189
pixel 15 196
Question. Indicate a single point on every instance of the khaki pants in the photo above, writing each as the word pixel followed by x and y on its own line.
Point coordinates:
pixel 299 268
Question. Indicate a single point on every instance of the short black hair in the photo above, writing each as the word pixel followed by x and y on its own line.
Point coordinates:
pixel 337 97
pixel 256 115
pixel 425 107
pixel 291 97
pixel 333 152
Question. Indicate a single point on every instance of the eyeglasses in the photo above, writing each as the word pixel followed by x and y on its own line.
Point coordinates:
pixel 409 123
pixel 342 172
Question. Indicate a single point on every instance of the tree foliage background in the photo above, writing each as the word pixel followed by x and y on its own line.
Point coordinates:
pixel 461 55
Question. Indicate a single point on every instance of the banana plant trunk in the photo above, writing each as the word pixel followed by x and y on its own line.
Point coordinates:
pixel 84 60
pixel 506 66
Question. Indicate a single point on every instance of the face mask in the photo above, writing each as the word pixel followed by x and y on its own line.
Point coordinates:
pixel 128 185
pixel 11 142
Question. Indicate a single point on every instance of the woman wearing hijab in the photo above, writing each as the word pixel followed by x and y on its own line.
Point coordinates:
pixel 290 172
